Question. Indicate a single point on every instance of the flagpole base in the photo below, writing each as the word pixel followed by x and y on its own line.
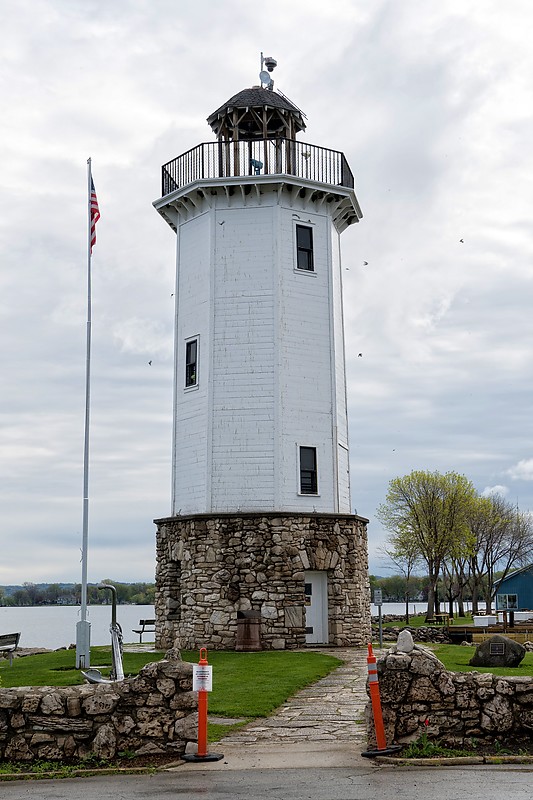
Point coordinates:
pixel 385 751
pixel 194 758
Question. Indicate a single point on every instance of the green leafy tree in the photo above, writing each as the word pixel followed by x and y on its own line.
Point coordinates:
pixel 427 513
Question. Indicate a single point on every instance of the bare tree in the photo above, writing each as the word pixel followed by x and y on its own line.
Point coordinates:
pixel 503 541
pixel 406 561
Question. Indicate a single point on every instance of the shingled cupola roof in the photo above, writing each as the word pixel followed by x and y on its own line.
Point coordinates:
pixel 257 113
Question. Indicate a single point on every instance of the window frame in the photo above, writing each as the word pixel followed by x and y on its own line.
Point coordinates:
pixel 503 602
pixel 192 383
pixel 301 248
pixel 310 474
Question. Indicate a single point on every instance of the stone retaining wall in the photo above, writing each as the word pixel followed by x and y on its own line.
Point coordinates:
pixel 425 633
pixel 419 695
pixel 213 569
pixel 152 713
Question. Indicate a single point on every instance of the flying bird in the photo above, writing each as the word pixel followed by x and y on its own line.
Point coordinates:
pixel 462 241
pixel 149 363
pixel 359 355
pixel 365 263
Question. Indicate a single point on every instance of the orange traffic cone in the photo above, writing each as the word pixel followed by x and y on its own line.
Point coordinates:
pixel 373 685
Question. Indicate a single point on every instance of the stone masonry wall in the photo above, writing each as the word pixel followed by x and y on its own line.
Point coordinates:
pixel 419 695
pixel 211 569
pixel 152 713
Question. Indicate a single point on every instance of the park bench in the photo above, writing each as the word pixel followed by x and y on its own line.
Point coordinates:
pixel 147 626
pixel 8 644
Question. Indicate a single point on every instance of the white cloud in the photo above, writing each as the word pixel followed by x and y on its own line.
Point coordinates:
pixel 522 471
pixel 498 490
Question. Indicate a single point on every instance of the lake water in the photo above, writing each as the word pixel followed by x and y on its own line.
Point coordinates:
pixel 415 608
pixel 55 626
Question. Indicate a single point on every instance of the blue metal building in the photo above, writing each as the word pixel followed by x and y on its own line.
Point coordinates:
pixel 515 592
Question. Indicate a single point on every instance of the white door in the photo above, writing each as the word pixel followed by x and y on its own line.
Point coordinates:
pixel 316 607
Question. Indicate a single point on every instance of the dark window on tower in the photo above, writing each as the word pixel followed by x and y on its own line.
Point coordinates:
pixel 308 475
pixel 191 363
pixel 304 248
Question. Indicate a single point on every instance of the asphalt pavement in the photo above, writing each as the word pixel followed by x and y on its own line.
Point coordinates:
pixel 361 783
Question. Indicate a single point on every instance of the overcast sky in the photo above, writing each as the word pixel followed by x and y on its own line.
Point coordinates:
pixel 432 105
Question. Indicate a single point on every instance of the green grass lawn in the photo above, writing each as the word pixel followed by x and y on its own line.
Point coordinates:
pixel 456 658
pixel 420 620
pixel 58 668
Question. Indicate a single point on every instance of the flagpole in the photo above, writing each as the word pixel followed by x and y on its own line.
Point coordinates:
pixel 83 627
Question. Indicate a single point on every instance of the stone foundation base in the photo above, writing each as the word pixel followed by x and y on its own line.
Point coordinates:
pixel 211 570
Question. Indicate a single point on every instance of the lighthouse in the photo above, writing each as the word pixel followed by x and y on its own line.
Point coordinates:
pixel 261 549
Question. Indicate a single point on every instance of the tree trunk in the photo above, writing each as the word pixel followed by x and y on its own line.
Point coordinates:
pixel 475 598
pixel 430 614
pixel 407 608
pixel 461 599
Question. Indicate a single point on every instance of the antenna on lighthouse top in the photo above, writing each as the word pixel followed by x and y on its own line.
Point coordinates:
pixel 264 76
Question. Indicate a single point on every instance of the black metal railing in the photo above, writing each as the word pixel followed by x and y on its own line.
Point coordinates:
pixel 258 157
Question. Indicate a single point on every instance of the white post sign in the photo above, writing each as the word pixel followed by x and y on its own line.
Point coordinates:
pixel 202 678
pixel 378 597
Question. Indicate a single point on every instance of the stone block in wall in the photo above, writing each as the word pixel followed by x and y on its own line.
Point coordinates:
pixel 79 727
pixel 9 699
pixel 422 690
pixel 52 703
pixel 294 616
pixel 105 742
pixel 187 727
pixel 17 749
pixel 100 703
pixel 497 714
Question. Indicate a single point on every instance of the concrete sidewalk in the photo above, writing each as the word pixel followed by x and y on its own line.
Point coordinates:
pixel 322 725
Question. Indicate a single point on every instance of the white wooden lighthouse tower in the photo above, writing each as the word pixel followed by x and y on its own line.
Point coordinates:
pixel 260 468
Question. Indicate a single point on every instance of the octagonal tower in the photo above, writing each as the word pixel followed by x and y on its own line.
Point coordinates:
pixel 261 521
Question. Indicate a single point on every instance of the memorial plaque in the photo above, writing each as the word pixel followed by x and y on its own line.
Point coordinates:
pixel 497 648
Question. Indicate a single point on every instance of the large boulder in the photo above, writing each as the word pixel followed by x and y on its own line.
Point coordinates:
pixel 498 651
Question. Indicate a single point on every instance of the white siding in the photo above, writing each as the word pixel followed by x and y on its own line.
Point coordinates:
pixel 343 469
pixel 305 364
pixel 191 423
pixel 271 359
pixel 243 361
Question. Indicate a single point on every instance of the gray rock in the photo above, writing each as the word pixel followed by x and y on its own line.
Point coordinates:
pixel 513 653
pixel 187 728
pixel 52 704
pixel 102 703
pixel 405 642
pixel 105 742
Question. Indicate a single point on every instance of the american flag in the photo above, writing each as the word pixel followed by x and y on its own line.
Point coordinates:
pixel 95 214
